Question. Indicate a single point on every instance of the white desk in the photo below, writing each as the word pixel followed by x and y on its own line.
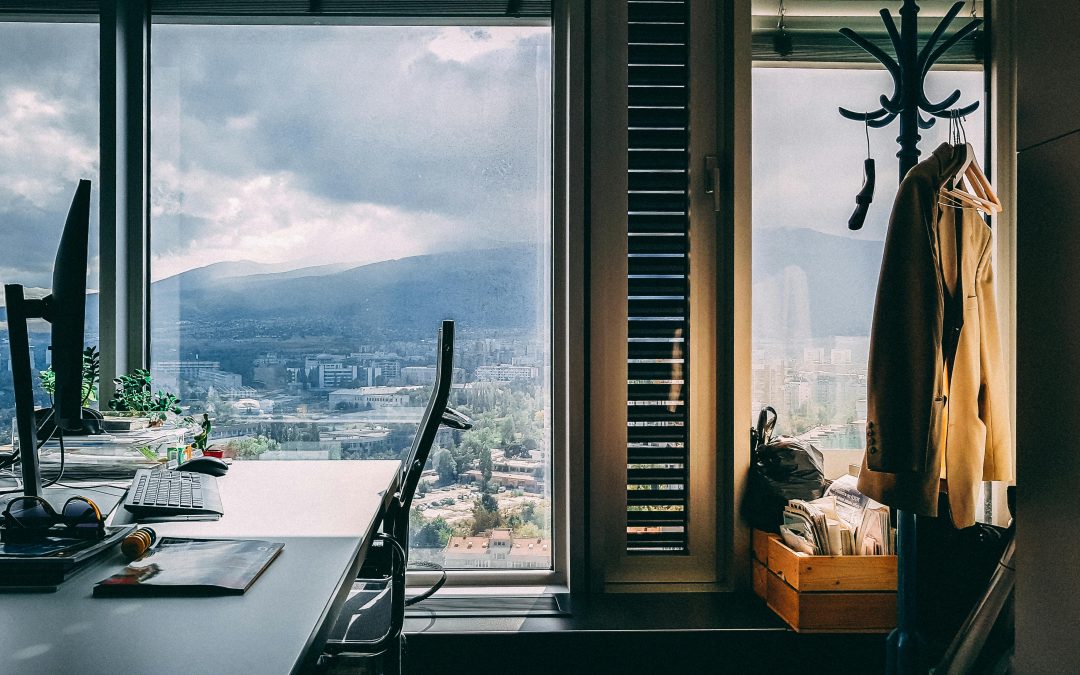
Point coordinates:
pixel 323 511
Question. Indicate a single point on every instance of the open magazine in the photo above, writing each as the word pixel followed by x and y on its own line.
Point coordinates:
pixel 193 567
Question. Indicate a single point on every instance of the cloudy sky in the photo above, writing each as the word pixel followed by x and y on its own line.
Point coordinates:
pixel 808 160
pixel 294 146
pixel 308 145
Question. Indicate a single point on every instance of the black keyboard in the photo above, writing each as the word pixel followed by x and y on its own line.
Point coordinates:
pixel 159 492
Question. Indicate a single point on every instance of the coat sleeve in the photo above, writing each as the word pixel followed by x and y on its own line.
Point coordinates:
pixel 904 406
pixel 994 391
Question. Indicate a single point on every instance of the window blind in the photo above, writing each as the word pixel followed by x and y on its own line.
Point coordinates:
pixel 657 504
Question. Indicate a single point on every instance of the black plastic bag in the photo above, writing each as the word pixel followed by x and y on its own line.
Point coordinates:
pixel 781 468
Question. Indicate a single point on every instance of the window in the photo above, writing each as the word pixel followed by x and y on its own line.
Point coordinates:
pixel 48 141
pixel 814 280
pixel 321 197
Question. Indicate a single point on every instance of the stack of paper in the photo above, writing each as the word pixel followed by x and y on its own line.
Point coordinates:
pixel 874 536
pixel 843 522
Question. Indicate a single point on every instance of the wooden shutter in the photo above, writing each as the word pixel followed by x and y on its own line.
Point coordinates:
pixel 657 469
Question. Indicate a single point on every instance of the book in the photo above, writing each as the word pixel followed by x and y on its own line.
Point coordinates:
pixel 178 566
pixel 44 564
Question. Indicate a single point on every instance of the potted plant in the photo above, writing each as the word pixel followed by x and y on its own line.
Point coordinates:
pixel 135 397
pixel 91 374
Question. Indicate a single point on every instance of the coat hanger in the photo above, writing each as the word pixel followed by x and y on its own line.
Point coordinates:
pixel 969 185
pixel 866 193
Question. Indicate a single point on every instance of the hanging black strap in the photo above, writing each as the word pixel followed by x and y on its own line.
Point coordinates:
pixel 762 434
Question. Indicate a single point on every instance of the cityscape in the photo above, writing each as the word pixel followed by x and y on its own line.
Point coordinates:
pixel 491 481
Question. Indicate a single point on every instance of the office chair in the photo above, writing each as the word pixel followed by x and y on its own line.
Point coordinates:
pixel 370 623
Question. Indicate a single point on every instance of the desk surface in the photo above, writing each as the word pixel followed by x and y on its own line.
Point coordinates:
pixel 321 510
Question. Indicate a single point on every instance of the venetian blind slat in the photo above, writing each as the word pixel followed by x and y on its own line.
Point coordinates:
pixel 657 470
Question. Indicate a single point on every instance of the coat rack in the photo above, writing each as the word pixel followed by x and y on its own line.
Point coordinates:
pixel 905 650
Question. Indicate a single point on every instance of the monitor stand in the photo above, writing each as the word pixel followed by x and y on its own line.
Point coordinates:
pixel 19 309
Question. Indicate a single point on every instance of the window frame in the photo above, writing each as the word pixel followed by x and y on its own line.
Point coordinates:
pixel 575 529
pixel 999 97
pixel 123 193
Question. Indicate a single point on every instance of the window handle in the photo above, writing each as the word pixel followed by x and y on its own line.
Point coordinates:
pixel 712 180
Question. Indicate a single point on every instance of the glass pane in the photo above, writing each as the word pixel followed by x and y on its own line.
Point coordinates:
pixel 322 197
pixel 48 141
pixel 814 280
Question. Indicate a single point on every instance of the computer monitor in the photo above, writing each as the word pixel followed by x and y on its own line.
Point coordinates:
pixel 65 309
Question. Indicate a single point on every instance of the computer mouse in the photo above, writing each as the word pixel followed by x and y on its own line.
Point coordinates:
pixel 208 465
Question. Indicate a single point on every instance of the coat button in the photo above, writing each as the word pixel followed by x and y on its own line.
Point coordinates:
pixel 872 449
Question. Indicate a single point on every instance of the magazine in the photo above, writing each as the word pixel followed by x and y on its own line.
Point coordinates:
pixel 193 567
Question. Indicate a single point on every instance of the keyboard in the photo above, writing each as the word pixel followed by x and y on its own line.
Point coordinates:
pixel 160 492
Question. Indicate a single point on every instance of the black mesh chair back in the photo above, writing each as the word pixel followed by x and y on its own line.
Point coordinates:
pixel 371 620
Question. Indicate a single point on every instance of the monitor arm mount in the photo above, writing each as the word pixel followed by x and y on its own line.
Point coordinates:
pixel 19 310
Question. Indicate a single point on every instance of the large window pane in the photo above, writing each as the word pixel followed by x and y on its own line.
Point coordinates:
pixel 48 141
pixel 813 279
pixel 321 198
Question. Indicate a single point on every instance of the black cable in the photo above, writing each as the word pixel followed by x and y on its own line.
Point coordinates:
pixel 404 557
pixel 14 458
pixel 40 445
pixel 60 437
pixel 434 588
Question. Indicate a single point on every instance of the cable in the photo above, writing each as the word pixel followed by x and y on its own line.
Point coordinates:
pixel 14 458
pixel 60 437
pixel 434 588
pixel 56 431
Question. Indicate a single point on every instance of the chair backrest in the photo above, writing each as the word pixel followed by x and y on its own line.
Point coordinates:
pixel 396 512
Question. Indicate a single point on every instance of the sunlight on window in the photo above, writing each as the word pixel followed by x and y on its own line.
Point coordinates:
pixel 322 197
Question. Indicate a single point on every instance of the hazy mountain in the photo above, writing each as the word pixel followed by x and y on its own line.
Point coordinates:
pixel 811 284
pixel 806 284
pixel 484 288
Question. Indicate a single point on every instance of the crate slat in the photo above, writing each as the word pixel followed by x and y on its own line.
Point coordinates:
pixel 831 572
pixel 848 612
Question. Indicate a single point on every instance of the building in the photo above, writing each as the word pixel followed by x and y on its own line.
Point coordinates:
pixel 356 443
pixel 376 397
pixel 498 549
pixel 506 373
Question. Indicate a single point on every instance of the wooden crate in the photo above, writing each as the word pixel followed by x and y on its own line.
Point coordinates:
pixel 759 563
pixel 825 593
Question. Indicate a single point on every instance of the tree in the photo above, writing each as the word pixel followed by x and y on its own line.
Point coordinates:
pixel 423 487
pixel 486 465
pixel 445 466
pixel 486 514
pixel 434 533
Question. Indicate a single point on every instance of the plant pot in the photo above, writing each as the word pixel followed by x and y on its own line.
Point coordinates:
pixel 46 426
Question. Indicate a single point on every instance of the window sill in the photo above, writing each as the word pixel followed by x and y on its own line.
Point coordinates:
pixel 635 633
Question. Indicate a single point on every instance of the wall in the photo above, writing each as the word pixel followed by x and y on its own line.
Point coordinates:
pixel 1048 319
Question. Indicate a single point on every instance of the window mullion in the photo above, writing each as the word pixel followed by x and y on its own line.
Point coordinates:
pixel 124 230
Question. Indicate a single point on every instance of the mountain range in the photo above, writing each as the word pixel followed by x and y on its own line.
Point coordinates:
pixel 806 284
pixel 491 288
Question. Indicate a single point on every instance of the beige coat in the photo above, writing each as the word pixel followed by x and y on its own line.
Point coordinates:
pixel 937 402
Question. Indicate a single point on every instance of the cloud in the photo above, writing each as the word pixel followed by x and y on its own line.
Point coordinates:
pixel 344 143
pixel 464 44
pixel 268 219
pixel 365 114
pixel 808 160
pixel 48 141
